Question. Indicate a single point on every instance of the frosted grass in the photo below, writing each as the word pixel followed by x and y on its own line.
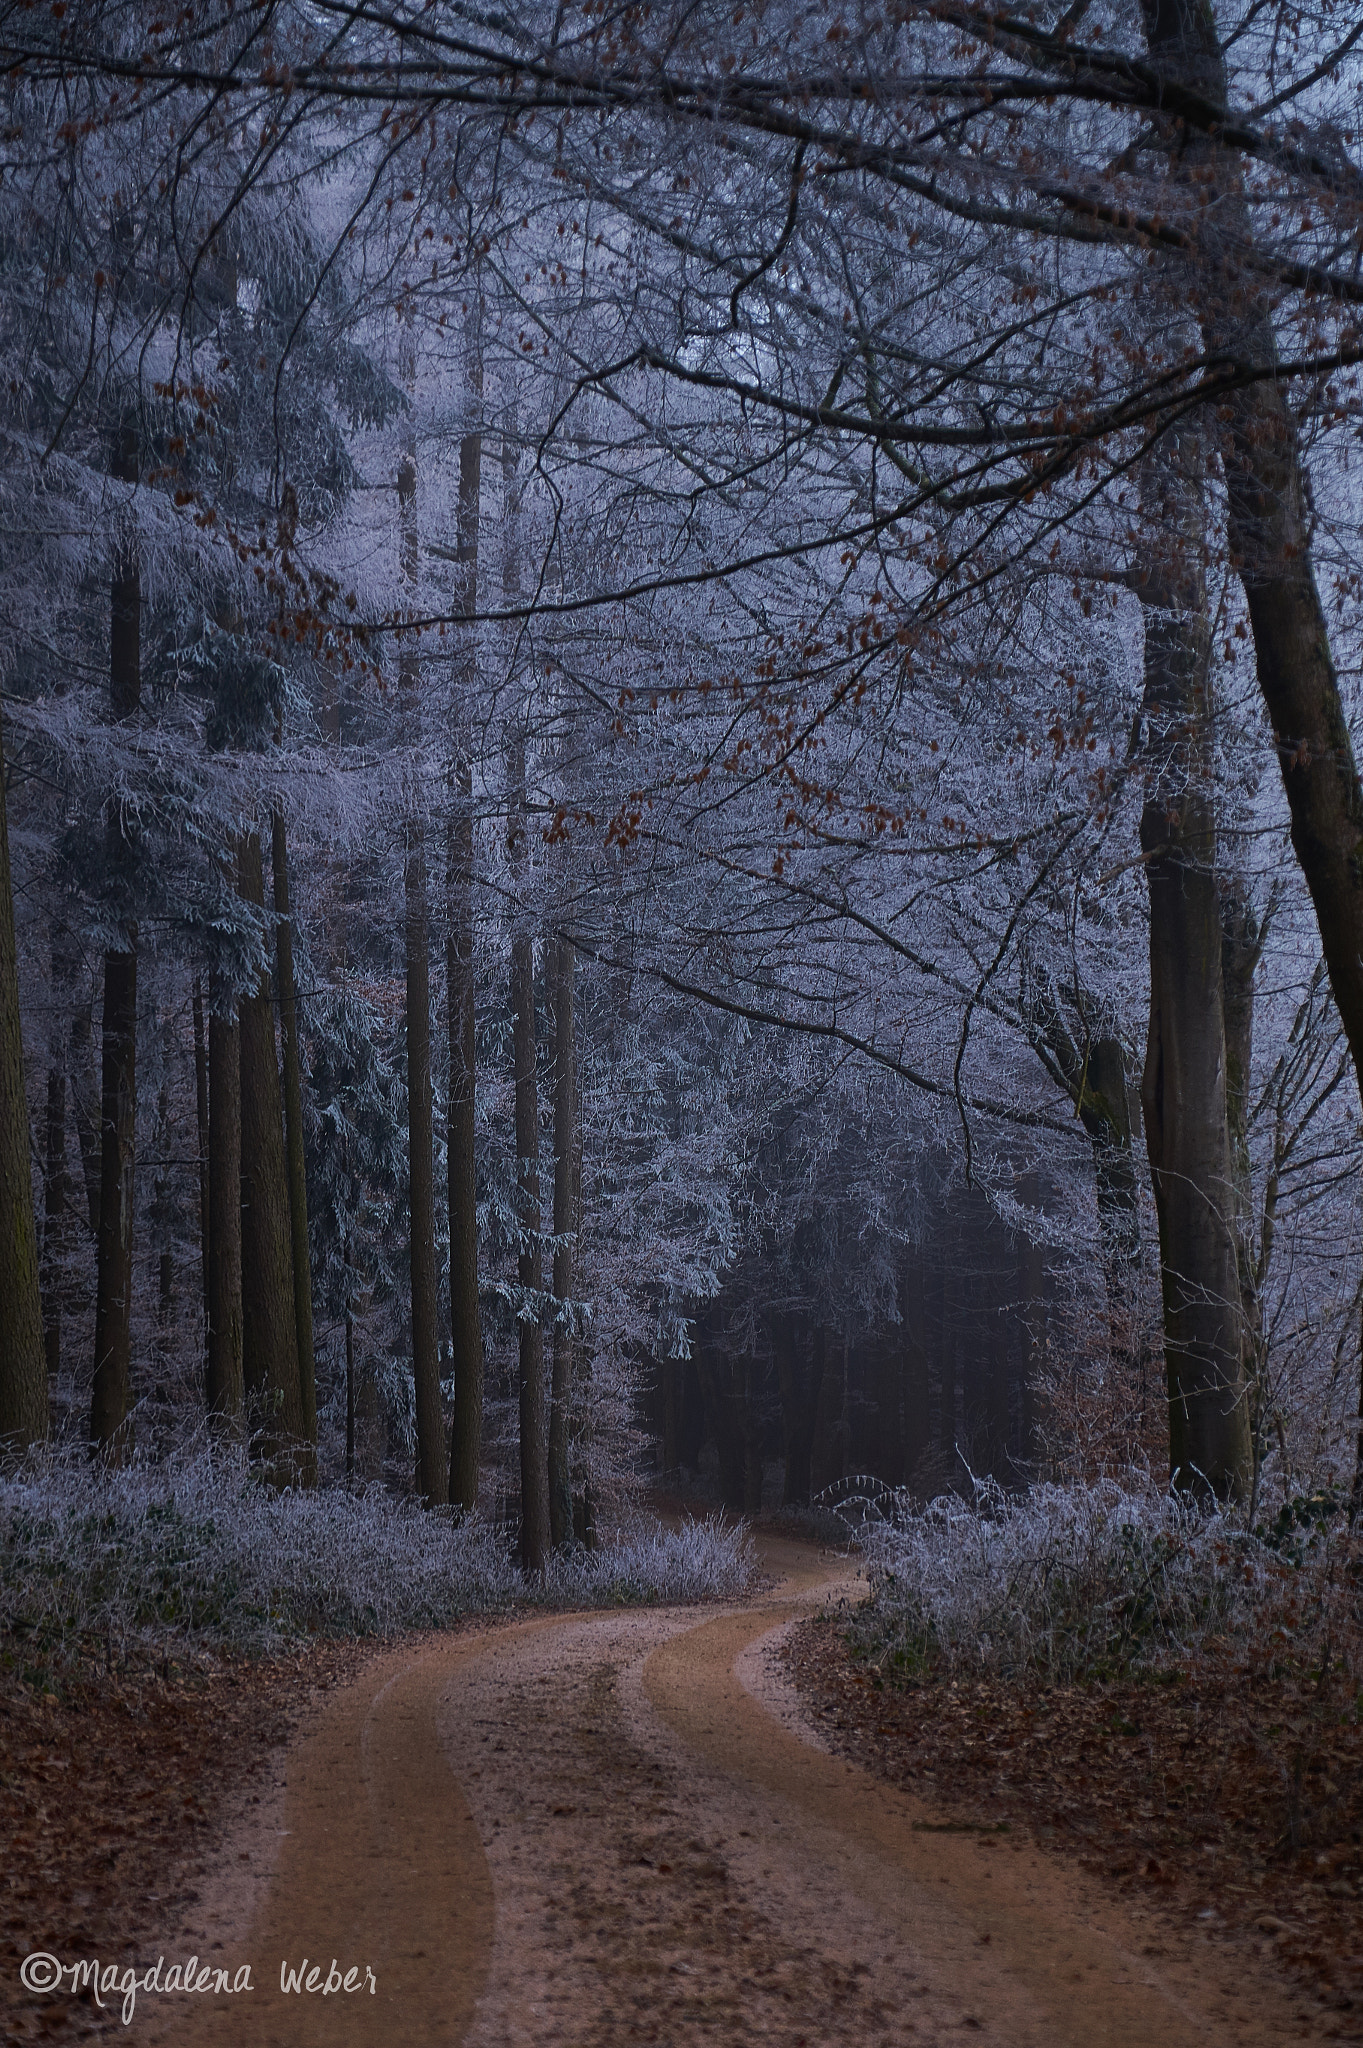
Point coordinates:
pixel 199 1554
pixel 709 1560
pixel 1095 1581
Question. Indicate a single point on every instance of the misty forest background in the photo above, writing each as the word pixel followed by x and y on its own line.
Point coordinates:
pixel 678 700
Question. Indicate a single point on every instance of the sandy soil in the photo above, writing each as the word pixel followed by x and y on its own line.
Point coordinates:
pixel 616 1828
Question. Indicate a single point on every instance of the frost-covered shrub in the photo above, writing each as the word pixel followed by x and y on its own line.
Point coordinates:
pixel 1091 1581
pixel 200 1552
pixel 710 1560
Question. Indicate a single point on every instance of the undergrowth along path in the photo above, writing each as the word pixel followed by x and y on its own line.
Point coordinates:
pixel 607 1828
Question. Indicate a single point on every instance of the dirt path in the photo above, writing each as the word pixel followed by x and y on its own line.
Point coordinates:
pixel 611 1828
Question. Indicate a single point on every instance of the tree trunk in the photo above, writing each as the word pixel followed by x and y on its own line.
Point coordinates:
pixel 85 1108
pixel 56 1191
pixel 432 1468
pixel 112 1393
pixel 565 1231
pixel 163 1204
pixel 466 1323
pixel 226 1383
pixel 201 1127
pixel 23 1368
pixel 269 1329
pixel 1183 1090
pixel 1242 941
pixel 432 1472
pixel 1268 529
pixel 295 1160
pixel 535 1535
pixel 1093 1073
pixel 535 1530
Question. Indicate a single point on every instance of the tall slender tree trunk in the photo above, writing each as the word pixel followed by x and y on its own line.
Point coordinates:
pixel 23 1368
pixel 269 1329
pixel 535 1528
pixel 112 1392
pixel 163 1205
pixel 56 1187
pixel 466 1323
pixel 565 1232
pixel 534 1432
pixel 295 1159
pixel 432 1470
pixel 201 1127
pixel 226 1384
pixel 1183 1090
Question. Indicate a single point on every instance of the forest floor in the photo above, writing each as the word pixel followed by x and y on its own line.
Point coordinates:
pixel 594 1830
pixel 1219 1800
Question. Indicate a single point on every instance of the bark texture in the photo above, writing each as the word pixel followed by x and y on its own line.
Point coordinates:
pixel 23 1368
pixel 1183 1089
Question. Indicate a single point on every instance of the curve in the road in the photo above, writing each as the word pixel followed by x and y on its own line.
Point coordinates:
pixel 587 1830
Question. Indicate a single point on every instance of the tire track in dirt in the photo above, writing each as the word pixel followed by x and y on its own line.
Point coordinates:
pixel 588 1830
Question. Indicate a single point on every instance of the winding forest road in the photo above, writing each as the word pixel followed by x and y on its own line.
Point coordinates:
pixel 609 1828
